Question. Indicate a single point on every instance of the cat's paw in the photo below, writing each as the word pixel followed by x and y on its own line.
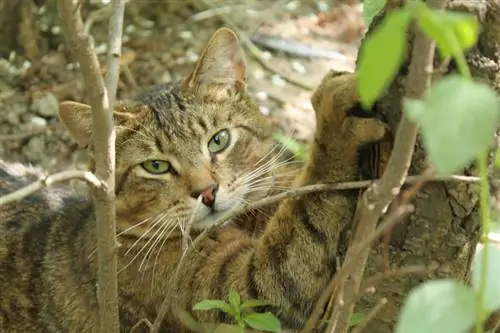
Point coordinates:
pixel 334 101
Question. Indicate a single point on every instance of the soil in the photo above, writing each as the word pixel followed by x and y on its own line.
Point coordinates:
pixel 162 40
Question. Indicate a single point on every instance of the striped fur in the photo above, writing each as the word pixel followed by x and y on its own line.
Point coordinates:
pixel 285 255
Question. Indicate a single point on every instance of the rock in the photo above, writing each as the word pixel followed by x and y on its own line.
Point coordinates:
pixel 45 105
pixel 38 121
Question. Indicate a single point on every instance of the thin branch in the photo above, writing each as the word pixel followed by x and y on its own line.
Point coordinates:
pixel 359 328
pixel 378 196
pixel 103 142
pixel 295 193
pixel 114 49
pixel 333 287
pixel 50 180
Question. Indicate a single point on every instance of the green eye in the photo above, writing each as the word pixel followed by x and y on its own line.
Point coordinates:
pixel 156 167
pixel 219 141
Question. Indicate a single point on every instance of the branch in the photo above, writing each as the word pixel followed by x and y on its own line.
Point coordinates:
pixel 295 193
pixel 378 196
pixel 103 142
pixel 50 180
pixel 114 49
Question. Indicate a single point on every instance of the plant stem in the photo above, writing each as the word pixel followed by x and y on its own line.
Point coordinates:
pixel 484 210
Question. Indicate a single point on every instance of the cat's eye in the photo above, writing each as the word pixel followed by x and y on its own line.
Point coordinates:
pixel 219 141
pixel 156 167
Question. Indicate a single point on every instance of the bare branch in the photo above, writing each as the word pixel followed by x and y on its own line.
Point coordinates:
pixel 295 193
pixel 50 180
pixel 114 49
pixel 378 196
pixel 359 328
pixel 103 142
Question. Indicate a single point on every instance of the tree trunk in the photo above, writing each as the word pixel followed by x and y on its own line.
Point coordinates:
pixel 443 231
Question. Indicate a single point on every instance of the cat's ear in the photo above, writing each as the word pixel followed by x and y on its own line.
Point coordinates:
pixel 77 118
pixel 222 63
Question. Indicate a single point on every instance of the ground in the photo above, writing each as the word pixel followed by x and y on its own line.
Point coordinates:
pixel 162 40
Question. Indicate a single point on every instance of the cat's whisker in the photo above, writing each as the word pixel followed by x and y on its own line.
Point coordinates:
pixel 165 236
pixel 132 227
pixel 157 239
pixel 186 229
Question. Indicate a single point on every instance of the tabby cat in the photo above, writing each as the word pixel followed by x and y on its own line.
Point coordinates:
pixel 185 153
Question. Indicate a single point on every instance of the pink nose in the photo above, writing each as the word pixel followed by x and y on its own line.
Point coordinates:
pixel 207 195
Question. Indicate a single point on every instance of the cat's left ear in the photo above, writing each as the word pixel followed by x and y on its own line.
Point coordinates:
pixel 222 63
pixel 77 117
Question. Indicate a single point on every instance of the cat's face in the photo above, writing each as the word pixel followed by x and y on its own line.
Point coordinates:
pixel 174 156
pixel 194 153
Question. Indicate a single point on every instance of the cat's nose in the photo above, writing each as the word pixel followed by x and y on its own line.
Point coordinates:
pixel 207 195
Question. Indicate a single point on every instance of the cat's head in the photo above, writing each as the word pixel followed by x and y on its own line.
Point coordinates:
pixel 201 146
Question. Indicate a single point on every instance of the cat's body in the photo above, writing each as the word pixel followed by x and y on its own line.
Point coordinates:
pixel 202 148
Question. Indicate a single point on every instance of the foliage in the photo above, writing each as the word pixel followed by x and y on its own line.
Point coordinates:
pixel 371 9
pixel 457 118
pixel 240 312
pixel 298 149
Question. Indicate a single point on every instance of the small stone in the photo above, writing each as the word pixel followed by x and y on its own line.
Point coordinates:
pixel 278 80
pixel 38 121
pixel 46 105
pixel 298 67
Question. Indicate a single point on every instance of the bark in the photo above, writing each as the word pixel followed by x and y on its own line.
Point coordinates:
pixel 443 230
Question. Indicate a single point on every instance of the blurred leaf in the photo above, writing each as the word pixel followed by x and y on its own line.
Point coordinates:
pixel 355 319
pixel 452 32
pixel 381 56
pixel 437 306
pixel 296 148
pixel 455 130
pixel 370 9
pixel 492 292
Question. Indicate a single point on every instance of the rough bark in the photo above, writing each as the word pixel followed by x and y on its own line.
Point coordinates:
pixel 443 230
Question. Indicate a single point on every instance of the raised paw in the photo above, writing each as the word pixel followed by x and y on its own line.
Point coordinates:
pixel 338 113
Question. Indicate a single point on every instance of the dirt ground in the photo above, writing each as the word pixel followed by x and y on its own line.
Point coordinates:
pixel 162 40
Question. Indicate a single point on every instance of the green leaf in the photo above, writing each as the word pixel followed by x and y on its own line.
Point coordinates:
pixel 452 32
pixel 371 9
pixel 234 299
pixel 263 321
pixel 210 304
pixel 296 148
pixel 438 306
pixel 253 303
pixel 355 319
pixel 492 292
pixel 381 56
pixel 458 122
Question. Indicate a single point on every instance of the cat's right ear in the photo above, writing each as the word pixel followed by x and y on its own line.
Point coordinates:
pixel 222 63
pixel 77 118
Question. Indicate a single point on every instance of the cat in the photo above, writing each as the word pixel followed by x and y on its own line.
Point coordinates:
pixel 186 152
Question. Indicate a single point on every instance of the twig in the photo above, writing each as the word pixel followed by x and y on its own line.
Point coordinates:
pixel 103 142
pixel 333 287
pixel 378 196
pixel 50 180
pixel 114 49
pixel 359 327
